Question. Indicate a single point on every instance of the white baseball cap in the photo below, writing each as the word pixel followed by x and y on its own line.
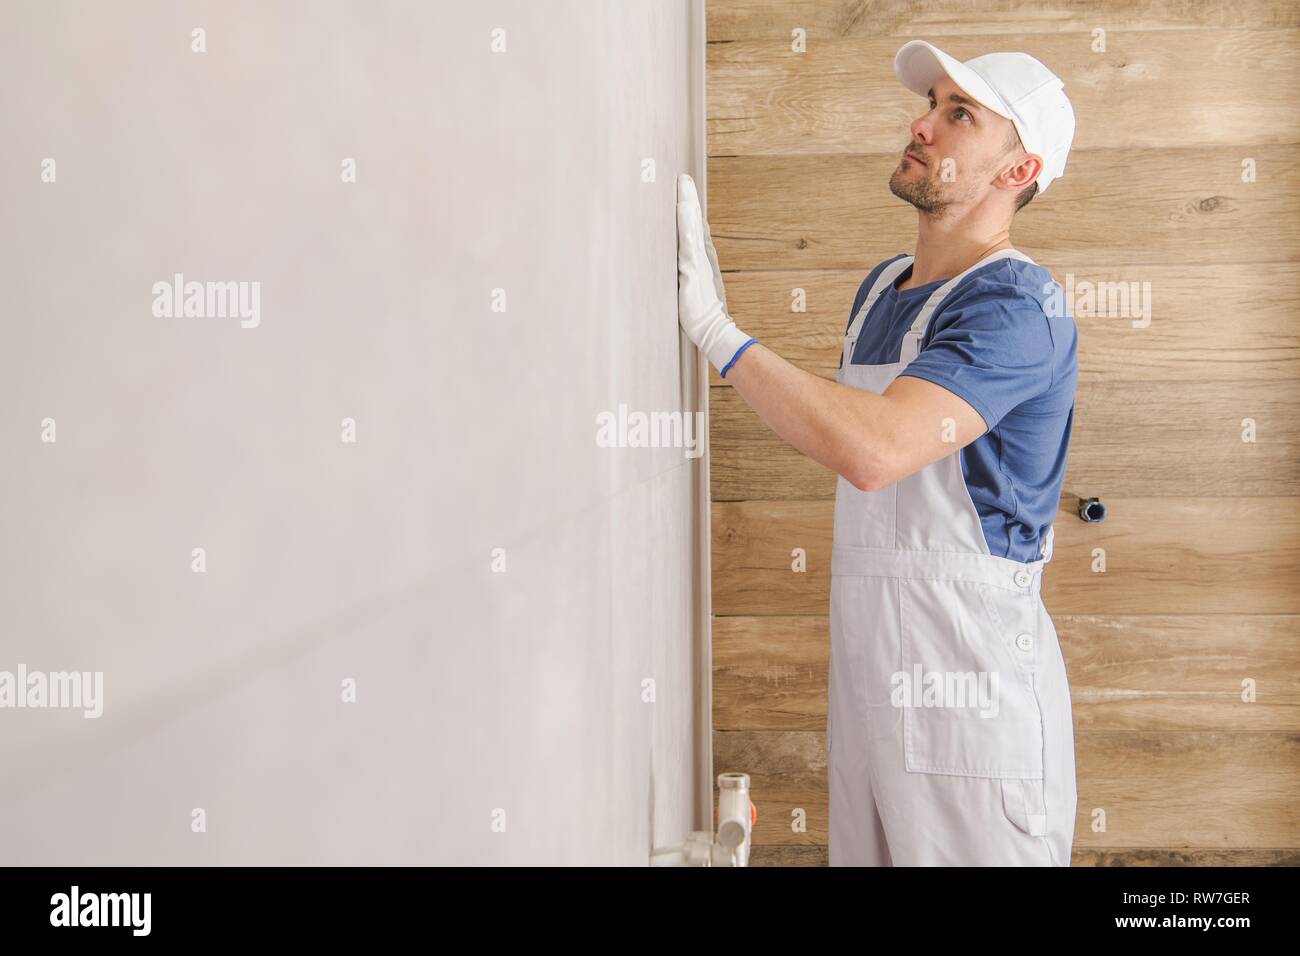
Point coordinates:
pixel 1014 85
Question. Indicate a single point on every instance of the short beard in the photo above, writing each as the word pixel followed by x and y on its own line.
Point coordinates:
pixel 921 193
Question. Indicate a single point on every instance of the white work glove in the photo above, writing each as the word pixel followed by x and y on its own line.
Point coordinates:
pixel 701 299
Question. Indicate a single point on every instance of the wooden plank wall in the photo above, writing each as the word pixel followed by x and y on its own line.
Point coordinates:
pixel 1200 590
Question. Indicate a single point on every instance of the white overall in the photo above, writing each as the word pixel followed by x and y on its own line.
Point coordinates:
pixel 967 777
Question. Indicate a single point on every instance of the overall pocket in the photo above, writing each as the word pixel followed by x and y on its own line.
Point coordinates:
pixel 967 683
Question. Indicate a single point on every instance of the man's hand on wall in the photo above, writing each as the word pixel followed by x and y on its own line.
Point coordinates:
pixel 701 298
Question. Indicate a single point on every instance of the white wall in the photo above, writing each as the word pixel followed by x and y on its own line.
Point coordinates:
pixel 475 430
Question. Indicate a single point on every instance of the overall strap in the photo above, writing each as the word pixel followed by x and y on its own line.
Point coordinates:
pixel 911 347
pixel 887 277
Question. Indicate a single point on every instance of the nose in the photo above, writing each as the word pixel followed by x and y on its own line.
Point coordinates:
pixel 922 129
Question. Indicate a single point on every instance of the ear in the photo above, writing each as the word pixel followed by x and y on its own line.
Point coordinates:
pixel 1021 173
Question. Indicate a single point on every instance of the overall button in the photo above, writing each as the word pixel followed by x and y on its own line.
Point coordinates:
pixel 1025 641
pixel 1023 578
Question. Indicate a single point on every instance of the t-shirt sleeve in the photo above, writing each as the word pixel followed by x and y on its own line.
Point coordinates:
pixel 992 350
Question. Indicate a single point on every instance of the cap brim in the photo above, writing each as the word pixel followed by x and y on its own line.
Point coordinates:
pixel 919 64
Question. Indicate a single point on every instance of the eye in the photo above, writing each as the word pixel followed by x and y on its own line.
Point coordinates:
pixel 959 113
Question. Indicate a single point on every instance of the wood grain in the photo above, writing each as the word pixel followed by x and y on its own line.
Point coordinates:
pixel 1152 206
pixel 1196 331
pixel 769 854
pixel 1201 588
pixel 732 20
pixel 1157 790
pixel 1162 556
pixel 1192 856
pixel 1127 672
pixel 842 96
pixel 1129 439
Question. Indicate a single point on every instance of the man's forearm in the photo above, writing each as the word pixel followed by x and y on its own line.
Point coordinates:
pixel 836 426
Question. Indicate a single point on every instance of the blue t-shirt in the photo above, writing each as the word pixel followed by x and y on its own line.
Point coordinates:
pixel 994 342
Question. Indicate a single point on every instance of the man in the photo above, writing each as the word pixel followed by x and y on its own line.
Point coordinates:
pixel 949 732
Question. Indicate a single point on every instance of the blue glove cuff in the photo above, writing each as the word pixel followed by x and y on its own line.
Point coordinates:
pixel 739 352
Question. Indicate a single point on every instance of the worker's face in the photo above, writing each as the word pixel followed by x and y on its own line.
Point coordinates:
pixel 964 148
